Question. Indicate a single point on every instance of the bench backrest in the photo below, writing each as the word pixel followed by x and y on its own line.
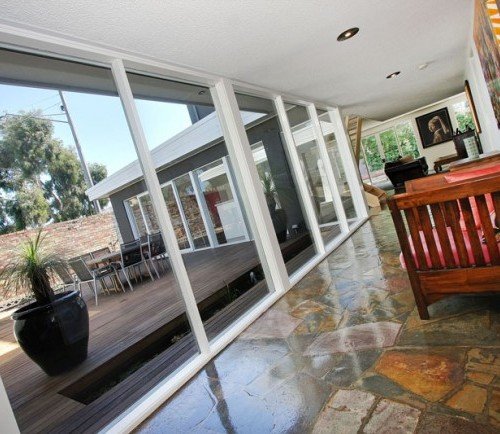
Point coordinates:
pixel 439 229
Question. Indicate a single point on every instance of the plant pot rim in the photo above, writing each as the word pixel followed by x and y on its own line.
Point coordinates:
pixel 34 308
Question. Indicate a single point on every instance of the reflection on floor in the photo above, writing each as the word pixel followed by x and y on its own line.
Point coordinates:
pixel 344 351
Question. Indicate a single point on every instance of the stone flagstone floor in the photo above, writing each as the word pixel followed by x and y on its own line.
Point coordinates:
pixel 344 351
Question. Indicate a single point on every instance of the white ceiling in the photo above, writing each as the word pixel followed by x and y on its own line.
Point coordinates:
pixel 284 45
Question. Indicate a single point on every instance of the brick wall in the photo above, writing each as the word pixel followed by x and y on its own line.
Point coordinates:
pixel 68 239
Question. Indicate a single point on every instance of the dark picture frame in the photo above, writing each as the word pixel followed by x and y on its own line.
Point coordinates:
pixel 435 127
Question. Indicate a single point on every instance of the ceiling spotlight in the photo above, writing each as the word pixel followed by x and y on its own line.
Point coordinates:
pixel 394 74
pixel 423 66
pixel 348 34
pixel 202 92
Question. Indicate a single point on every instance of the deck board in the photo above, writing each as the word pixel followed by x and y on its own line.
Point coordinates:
pixel 117 323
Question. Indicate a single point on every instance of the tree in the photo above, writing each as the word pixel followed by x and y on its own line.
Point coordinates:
pixel 41 180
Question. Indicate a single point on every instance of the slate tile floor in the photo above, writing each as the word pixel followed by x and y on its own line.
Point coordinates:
pixel 344 352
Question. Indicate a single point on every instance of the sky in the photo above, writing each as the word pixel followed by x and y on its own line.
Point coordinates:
pixel 99 121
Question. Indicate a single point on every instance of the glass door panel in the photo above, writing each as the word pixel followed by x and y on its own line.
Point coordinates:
pixel 149 214
pixel 390 145
pixel 192 211
pixel 175 215
pixel 135 216
pixel 222 204
pixel 337 165
pixel 373 160
pixel 284 202
pixel 314 172
pixel 407 140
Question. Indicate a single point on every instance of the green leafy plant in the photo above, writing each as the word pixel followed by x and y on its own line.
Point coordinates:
pixel 268 184
pixel 31 268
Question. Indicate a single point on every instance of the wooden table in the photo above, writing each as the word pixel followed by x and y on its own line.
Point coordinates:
pixel 490 157
pixel 442 161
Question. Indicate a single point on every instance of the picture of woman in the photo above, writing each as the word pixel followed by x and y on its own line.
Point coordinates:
pixel 435 127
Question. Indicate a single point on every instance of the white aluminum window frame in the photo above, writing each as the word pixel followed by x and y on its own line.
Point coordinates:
pixel 222 89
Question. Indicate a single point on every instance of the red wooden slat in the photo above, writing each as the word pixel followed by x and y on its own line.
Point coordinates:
pixel 470 224
pixel 453 217
pixel 488 231
pixel 413 226
pixel 441 229
pixel 430 241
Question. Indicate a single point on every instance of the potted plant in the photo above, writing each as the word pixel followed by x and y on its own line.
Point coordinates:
pixel 53 330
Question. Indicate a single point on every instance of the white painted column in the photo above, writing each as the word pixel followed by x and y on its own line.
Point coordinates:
pixel 323 152
pixel 8 424
pixel 351 171
pixel 153 186
pixel 248 180
pixel 298 175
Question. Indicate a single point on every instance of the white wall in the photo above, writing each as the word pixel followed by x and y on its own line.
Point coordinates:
pixel 490 134
pixel 8 423
pixel 434 152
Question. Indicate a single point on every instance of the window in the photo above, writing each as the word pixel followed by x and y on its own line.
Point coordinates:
pixel 407 140
pixel 203 198
pixel 313 168
pixel 337 165
pixel 278 184
pixel 390 145
pixel 463 116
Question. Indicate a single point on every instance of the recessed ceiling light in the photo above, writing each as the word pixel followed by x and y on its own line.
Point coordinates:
pixel 202 92
pixel 347 34
pixel 423 66
pixel 394 74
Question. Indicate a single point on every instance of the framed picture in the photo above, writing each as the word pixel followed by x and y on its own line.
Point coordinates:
pixel 435 127
pixel 486 39
pixel 472 106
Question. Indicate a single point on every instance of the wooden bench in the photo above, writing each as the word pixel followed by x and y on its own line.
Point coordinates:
pixel 448 238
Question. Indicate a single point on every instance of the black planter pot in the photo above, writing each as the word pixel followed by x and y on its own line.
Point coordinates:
pixel 56 335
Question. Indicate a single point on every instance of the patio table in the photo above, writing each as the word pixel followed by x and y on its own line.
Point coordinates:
pixel 104 259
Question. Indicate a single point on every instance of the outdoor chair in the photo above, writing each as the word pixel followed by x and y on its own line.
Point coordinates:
pixel 66 278
pixel 91 276
pixel 131 256
pixel 155 251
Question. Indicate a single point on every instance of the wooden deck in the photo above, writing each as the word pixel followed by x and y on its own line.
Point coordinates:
pixel 119 322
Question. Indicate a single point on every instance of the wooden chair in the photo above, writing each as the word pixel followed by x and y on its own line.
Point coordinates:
pixel 448 239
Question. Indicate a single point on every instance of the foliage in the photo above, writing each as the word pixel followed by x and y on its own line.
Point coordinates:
pixel 40 179
pixel 30 269
pixel 403 134
pixel 373 158
pixel 465 121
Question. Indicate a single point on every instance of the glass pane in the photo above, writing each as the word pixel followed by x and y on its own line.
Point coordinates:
pixel 223 263
pixel 464 117
pixel 373 160
pixel 136 316
pixel 192 211
pixel 278 183
pixel 175 216
pixel 390 145
pixel 337 165
pixel 407 140
pixel 149 214
pixel 313 169
pixel 225 212
pixel 135 216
